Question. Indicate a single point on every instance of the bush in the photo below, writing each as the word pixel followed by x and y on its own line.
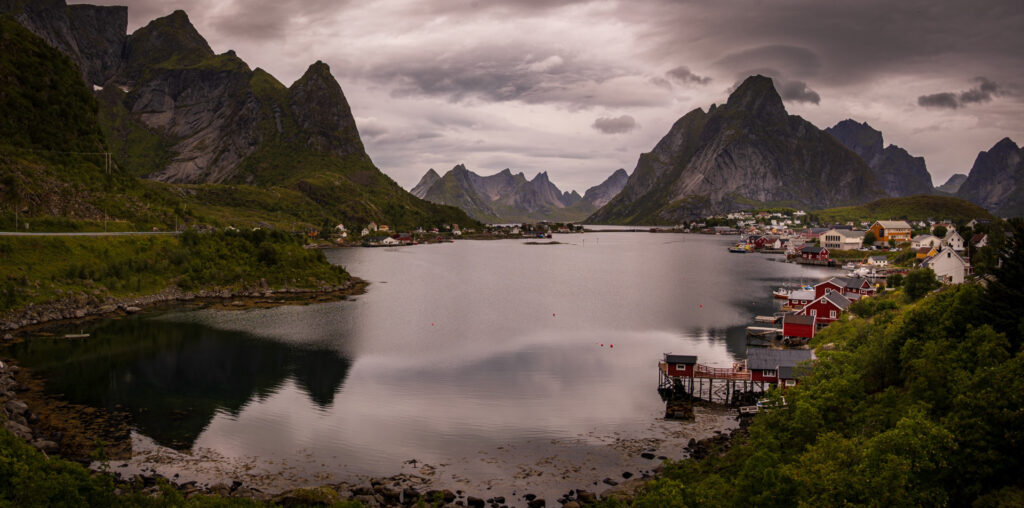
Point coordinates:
pixel 919 282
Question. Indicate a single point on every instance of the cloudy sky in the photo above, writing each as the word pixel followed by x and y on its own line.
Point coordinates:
pixel 580 88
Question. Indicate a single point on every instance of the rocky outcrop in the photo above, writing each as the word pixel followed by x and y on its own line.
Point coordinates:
pixel 996 181
pixel 92 36
pixel 508 197
pixel 599 195
pixel 323 114
pixel 898 172
pixel 746 153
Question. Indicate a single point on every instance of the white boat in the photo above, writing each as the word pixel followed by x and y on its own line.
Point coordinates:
pixel 850 266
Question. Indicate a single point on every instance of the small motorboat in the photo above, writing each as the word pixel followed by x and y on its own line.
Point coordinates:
pixel 782 293
pixel 740 248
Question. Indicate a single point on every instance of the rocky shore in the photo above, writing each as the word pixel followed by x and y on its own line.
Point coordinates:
pixel 22 415
pixel 83 305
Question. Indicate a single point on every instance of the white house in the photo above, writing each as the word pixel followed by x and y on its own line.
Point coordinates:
pixel 948 266
pixel 841 239
pixel 922 241
pixel 878 261
pixel 365 232
pixel 953 240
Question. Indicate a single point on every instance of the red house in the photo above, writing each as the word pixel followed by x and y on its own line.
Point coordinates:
pixel 812 252
pixel 680 365
pixel 798 326
pixel 774 365
pixel 757 241
pixel 827 308
pixel 800 297
pixel 844 286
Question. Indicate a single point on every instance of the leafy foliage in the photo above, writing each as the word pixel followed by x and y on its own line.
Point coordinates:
pixel 48 268
pixel 908 208
pixel 920 404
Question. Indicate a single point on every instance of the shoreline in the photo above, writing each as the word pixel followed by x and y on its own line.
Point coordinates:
pixel 74 310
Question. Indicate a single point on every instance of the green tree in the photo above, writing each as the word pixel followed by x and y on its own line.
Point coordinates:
pixel 919 282
pixel 869 238
pixel 894 281
pixel 940 231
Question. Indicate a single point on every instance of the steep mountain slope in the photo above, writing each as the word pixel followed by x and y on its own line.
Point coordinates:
pixel 746 153
pixel 599 195
pixel 899 173
pixel 996 181
pixel 92 36
pixel 429 179
pixel 173 111
pixel 953 184
pixel 507 197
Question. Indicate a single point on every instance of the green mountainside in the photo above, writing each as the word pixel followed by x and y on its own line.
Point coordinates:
pixel 920 207
pixel 216 142
pixel 748 153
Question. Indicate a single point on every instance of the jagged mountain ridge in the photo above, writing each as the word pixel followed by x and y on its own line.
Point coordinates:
pixel 508 197
pixel 899 173
pixel 174 111
pixel 749 152
pixel 996 180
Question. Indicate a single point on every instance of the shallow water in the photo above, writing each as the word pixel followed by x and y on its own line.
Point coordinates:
pixel 491 363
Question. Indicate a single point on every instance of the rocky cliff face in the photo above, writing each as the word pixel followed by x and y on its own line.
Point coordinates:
pixel 899 173
pixel 599 195
pixel 174 111
pixel 508 197
pixel 996 181
pixel 92 36
pixel 953 184
pixel 747 153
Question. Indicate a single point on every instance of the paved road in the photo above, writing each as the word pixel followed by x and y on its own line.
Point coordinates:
pixel 99 233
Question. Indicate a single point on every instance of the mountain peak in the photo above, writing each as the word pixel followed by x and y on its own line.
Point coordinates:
pixel 324 114
pixel 1004 145
pixel 758 96
pixel 163 39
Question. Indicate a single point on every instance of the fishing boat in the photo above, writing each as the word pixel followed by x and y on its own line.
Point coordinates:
pixel 782 293
pixel 740 248
pixel 850 266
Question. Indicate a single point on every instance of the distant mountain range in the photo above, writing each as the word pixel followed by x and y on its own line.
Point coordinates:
pixel 172 111
pixel 746 153
pixel 899 173
pixel 506 197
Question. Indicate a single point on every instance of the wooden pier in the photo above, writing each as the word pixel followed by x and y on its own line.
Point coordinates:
pixel 729 386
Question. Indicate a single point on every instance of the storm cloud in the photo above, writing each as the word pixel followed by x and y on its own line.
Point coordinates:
pixel 616 125
pixel 984 92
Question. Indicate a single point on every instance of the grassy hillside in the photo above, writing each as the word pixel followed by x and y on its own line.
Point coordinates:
pixel 909 208
pixel 42 269
pixel 919 404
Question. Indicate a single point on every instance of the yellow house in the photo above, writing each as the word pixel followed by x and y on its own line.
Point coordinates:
pixel 926 252
pixel 896 230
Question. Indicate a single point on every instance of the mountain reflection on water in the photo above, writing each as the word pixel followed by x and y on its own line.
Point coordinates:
pixel 174 377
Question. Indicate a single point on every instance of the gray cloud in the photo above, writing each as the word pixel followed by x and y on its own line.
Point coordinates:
pixel 615 125
pixel 797 91
pixel 939 100
pixel 791 60
pixel 683 75
pixel 984 92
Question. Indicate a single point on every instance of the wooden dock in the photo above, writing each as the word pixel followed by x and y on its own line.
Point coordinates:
pixel 720 385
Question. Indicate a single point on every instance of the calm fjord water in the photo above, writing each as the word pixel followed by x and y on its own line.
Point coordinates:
pixel 480 358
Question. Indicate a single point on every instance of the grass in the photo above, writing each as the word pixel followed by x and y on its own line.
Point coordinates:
pixel 920 207
pixel 43 269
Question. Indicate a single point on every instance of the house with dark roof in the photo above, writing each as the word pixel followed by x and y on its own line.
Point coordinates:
pixel 845 286
pixel 680 365
pixel 765 364
pixel 828 308
pixel 814 252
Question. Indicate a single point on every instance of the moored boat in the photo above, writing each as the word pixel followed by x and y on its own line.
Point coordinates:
pixel 740 248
